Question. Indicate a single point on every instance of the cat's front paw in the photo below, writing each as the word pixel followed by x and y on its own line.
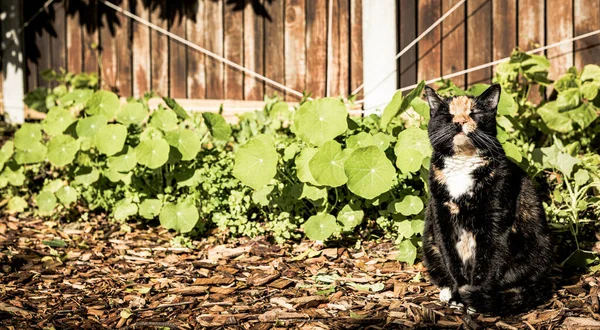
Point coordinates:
pixel 445 294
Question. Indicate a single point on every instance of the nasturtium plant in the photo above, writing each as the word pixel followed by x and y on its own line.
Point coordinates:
pixel 26 135
pixel 185 141
pixel 256 162
pixel 327 165
pixel 370 173
pixel 321 120
pixel 152 153
pixel 67 195
pixel 90 126
pixel 181 216
pixel 103 103
pixel 57 121
pixel 320 227
pixel 164 119
pixel 124 161
pixel 302 165
pixel 110 139
pixel 217 125
pixel 410 205
pixel 132 113
pixel 33 153
pixel 62 150
pixel 150 208
pixel 46 201
pixel 124 209
pixel 350 217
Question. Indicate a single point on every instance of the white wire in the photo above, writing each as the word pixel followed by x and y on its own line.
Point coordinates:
pixel 487 65
pixel 414 42
pixel 203 50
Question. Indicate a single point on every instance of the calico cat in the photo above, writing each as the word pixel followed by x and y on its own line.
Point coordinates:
pixel 486 241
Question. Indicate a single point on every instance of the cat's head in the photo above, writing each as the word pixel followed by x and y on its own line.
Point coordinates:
pixel 463 124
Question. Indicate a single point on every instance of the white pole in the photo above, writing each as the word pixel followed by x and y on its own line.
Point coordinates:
pixel 12 62
pixel 379 51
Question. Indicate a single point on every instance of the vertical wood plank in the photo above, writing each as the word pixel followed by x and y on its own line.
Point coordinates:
pixel 407 30
pixel 343 23
pixel 90 37
pixel 504 19
pixel 295 47
pixel 177 58
pixel 140 50
pixel 107 49
pixel 453 41
pixel 316 47
pixel 45 59
pixel 234 51
pixel 160 50
pixel 196 72
pixel 74 40
pixel 587 19
pixel 274 46
pixel 31 67
pixel 124 53
pixel 531 32
pixel 253 53
pixel 430 49
pixel 479 39
pixel 559 26
pixel 59 42
pixel 213 31
pixel 356 46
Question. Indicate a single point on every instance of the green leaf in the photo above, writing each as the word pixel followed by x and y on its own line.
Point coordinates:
pixel 85 176
pixel 67 195
pixel 62 150
pixel 6 152
pixel 57 120
pixel 150 208
pixel 370 173
pixel 589 90
pixel 421 107
pixel 280 109
pixel 103 103
pixel 417 226
pixel 186 141
pixel 26 135
pixel 405 229
pixel 110 139
pixel 33 153
pixel 16 205
pixel 407 252
pixel 409 161
pixel 256 162
pixel 327 167
pixel 171 103
pixel 362 139
pixel 53 185
pixel 569 99
pixel 261 196
pixel 410 205
pixel 555 120
pixel 413 138
pixel 584 115
pixel 165 120
pixel 321 120
pixel 132 113
pixel 152 153
pixel 14 175
pixel 350 217
pixel 302 169
pixel 151 133
pixel 46 201
pixel 313 193
pixel 125 161
pixel 590 72
pixel 512 151
pixel 565 163
pixel 217 125
pixel 382 141
pixel 90 126
pixel 76 96
pixel 182 216
pixel 582 177
pixel 392 109
pixel 125 209
pixel 320 227
pixel 55 243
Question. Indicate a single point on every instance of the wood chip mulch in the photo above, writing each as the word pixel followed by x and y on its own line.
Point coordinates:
pixel 109 277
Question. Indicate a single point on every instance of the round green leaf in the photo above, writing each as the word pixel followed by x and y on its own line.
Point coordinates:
pixel 217 125
pixel 67 195
pixel 404 229
pixel 512 151
pixel 123 162
pixel 85 176
pixel 319 227
pixel 256 162
pixel 110 139
pixel 407 252
pixel 89 126
pixel 313 193
pixel 555 120
pixel 6 152
pixel 370 173
pixel 62 150
pixel 33 153
pixel 182 216
pixel 186 141
pixel 150 208
pixel 124 209
pixel 46 201
pixel 360 140
pixel 582 177
pixel 151 133
pixel 382 140
pixel 152 153
pixel 413 138
pixel 321 120
pixel 410 205
pixel 350 217
pixel 165 120
pixel 302 169
pixel 589 90
pixel 76 96
pixel 327 167
pixel 116 176
pixel 13 175
pixel 16 205
pixel 132 113
pixel 57 120
pixel 26 135
pixel 103 103
pixel 409 161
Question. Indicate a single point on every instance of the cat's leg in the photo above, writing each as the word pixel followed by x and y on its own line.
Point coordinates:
pixel 435 263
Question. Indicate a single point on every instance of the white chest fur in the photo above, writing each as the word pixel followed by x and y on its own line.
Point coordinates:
pixel 458 172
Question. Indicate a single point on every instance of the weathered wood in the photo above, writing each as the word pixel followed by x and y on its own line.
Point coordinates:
pixel 531 32
pixel 140 50
pixel 74 40
pixel 316 47
pixel 58 42
pixel 108 49
pixel 177 58
pixel 504 19
pixel 453 41
pixel 356 46
pixel 341 48
pixel 274 46
pixel 295 46
pixel 234 51
pixel 196 73
pixel 123 42
pixel 160 50
pixel 407 30
pixel 213 32
pixel 430 48
pixel 479 39
pixel 90 37
pixel 253 53
pixel 559 26
pixel 587 19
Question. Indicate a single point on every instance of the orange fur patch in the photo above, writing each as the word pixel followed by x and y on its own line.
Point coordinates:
pixel 438 175
pixel 453 207
pixel 460 108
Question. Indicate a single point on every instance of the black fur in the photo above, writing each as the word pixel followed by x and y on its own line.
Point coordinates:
pixel 502 213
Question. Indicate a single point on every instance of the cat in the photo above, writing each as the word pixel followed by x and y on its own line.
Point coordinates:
pixel 486 243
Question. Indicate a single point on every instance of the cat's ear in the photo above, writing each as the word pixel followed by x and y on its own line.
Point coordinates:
pixel 434 100
pixel 488 100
